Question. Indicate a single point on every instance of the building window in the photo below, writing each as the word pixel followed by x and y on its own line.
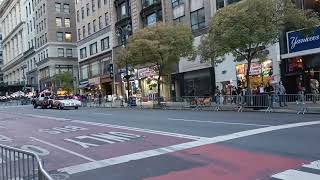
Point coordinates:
pixel 176 2
pixel 84 72
pixel 100 22
pixel 59 36
pixel 69 53
pixel 68 37
pixel 152 19
pixel 79 34
pixel 89 28
pixel 66 8
pixel 58 7
pixel 95 69
pixel 44 8
pixel 105 44
pixel 198 19
pixel 82 12
pixel 220 4
pixel 58 22
pixel 106 18
pixel 99 3
pixel 83 31
pixel 78 16
pixel 93 48
pixel 60 52
pixel 94 26
pixel 93 6
pixel 83 52
pixel 67 22
pixel 179 20
pixel 88 9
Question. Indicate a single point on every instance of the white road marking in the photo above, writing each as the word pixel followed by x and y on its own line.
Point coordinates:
pixel 296 175
pixel 64 149
pixel 48 117
pixel 121 127
pixel 313 165
pixel 140 130
pixel 218 122
pixel 101 114
pixel 179 147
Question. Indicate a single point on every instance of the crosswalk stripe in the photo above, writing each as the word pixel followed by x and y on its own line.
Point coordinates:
pixel 296 175
pixel 313 165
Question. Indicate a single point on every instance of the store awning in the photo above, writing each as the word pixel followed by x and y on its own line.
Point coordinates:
pixel 82 86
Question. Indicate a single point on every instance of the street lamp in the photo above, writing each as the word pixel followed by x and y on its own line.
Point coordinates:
pixel 123 33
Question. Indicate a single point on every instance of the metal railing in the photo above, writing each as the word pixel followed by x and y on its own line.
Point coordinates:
pixel 19 164
pixel 298 103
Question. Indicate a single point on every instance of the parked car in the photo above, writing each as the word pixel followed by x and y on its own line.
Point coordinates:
pixel 62 102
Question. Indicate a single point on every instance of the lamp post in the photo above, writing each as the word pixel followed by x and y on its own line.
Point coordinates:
pixel 123 33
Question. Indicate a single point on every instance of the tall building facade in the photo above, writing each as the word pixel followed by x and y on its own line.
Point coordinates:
pixel 196 78
pixel 39 41
pixel 300 56
pixel 94 31
pixel 14 44
pixel 129 17
pixel 54 41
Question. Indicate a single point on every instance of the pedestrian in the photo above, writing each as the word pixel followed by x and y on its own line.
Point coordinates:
pixel 217 95
pixel 281 91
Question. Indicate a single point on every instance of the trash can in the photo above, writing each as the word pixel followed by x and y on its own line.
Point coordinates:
pixel 132 101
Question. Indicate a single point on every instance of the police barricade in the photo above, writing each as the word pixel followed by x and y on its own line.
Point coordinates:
pixel 310 104
pixel 287 102
pixel 18 164
pixel 257 102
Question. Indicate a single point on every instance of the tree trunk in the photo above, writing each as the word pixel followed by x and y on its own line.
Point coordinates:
pixel 248 76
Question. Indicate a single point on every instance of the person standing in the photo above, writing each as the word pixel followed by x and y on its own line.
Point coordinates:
pixel 281 91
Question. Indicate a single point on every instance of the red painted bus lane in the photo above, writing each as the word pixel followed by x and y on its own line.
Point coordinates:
pixel 66 143
pixel 217 162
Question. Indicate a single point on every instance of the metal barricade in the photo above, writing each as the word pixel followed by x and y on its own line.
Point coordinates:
pixel 18 164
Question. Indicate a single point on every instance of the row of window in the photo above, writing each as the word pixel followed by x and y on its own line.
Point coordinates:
pixel 104 43
pixel 93 8
pixel 92 27
pixel 61 52
pixel 94 69
pixel 65 8
pixel 38 42
pixel 64 37
pixel 66 22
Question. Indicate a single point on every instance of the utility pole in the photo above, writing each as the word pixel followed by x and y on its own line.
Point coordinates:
pixel 123 33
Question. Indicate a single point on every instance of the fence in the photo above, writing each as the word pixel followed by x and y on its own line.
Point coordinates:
pixel 269 103
pixel 15 102
pixel 18 164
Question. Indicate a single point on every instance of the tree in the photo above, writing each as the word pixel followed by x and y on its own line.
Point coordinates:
pixel 64 81
pixel 246 28
pixel 161 46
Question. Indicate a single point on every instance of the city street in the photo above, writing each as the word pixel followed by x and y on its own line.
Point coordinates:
pixel 114 144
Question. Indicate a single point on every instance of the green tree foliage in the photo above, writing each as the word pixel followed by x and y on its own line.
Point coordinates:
pixel 246 28
pixel 161 46
pixel 64 81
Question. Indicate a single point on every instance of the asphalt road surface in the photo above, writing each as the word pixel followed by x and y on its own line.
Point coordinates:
pixel 114 144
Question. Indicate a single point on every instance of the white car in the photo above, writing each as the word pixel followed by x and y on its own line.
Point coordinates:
pixel 63 102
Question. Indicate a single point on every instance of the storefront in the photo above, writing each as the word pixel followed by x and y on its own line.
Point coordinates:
pixel 260 73
pixel 301 65
pixel 96 75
